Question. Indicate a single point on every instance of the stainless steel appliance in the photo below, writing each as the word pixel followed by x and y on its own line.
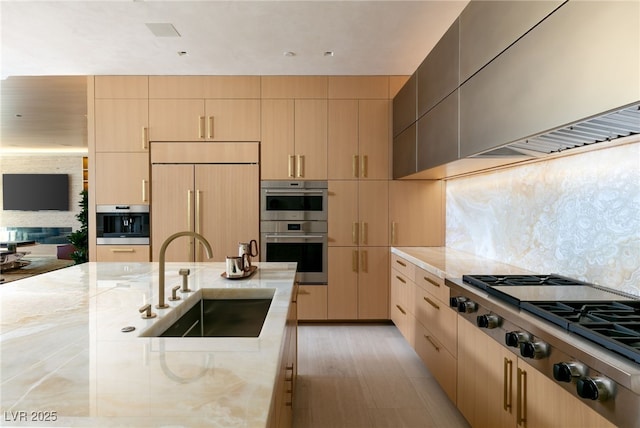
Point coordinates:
pixel 584 337
pixel 293 200
pixel 122 224
pixel 304 242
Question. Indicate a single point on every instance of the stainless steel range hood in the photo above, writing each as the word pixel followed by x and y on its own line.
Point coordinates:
pixel 606 127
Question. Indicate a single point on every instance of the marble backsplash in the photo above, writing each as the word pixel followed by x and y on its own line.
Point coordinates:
pixel 577 216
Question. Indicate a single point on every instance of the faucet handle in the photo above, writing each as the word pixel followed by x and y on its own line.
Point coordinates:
pixel 174 297
pixel 185 280
pixel 146 311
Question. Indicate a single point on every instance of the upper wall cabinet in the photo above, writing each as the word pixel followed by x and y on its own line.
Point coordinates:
pixel 489 27
pixel 204 108
pixel 405 106
pixel 404 152
pixel 581 61
pixel 437 138
pixel 438 73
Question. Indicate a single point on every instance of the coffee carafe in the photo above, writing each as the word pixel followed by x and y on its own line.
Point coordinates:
pixel 248 250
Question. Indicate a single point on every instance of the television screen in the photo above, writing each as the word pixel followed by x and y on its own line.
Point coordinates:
pixel 35 192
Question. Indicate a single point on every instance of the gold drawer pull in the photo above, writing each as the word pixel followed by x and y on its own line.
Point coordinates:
pixel 401 263
pixel 303 292
pixel 122 250
pixel 401 279
pixel 431 302
pixel 401 310
pixel 431 281
pixel 432 342
pixel 507 384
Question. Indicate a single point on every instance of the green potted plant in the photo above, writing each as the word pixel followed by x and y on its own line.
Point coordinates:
pixel 80 238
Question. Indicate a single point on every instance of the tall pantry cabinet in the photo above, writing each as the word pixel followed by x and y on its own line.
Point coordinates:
pixel 120 152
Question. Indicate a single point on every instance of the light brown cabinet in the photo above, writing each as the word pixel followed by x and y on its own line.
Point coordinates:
pixel 121 125
pixel 123 253
pixel 294 139
pixel 312 302
pixel 122 178
pixel 416 213
pixel 219 201
pixel 358 135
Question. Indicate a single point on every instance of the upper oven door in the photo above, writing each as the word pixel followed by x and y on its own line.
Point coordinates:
pixel 293 200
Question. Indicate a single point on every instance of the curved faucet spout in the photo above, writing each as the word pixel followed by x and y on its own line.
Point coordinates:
pixel 163 249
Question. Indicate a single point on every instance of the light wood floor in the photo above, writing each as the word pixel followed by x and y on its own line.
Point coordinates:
pixel 365 375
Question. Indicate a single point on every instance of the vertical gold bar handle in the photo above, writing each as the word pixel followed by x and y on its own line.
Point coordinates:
pixel 300 166
pixel 393 233
pixel 201 127
pixel 210 127
pixel 354 260
pixel 363 166
pixel 292 159
pixel 144 191
pixel 363 233
pixel 145 138
pixel 354 166
pixel 506 387
pixel 354 232
pixel 189 228
pixel 198 226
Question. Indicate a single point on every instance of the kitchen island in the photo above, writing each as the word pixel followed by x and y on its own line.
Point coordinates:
pixel 65 360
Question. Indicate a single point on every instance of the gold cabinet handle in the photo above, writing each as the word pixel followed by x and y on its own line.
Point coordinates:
pixel 201 127
pixel 363 166
pixel 521 414
pixel 122 250
pixel 364 232
pixel 300 169
pixel 197 219
pixel 292 160
pixel 431 281
pixel 401 310
pixel 431 302
pixel 430 340
pixel 144 191
pixel 210 127
pixel 354 166
pixel 401 263
pixel 300 292
pixel 399 278
pixel 145 138
pixel 363 261
pixel 354 260
pixel 189 227
pixel 393 233
pixel 507 384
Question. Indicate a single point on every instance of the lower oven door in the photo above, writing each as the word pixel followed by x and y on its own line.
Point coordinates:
pixel 308 249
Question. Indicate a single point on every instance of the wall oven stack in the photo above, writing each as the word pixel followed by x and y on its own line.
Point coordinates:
pixel 584 337
pixel 293 226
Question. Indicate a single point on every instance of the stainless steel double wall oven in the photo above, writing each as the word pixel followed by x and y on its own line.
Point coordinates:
pixel 293 226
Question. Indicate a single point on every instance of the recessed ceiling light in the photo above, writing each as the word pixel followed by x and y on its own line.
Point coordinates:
pixel 328 53
pixel 289 53
pixel 183 53
pixel 163 29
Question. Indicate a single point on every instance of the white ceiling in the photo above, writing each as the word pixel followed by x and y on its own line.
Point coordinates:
pixel 76 38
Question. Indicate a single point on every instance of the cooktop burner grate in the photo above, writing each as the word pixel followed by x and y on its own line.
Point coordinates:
pixel 486 281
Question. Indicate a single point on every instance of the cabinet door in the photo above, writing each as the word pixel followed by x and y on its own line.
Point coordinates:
pixel 226 210
pixel 343 139
pixel 416 210
pixel 343 222
pixel 176 120
pixel 276 148
pixel 233 120
pixel 122 178
pixel 472 373
pixel 373 283
pixel 373 213
pixel 437 139
pixel 373 139
pixel 311 139
pixel 405 106
pixel 404 152
pixel 312 302
pixel 172 210
pixel 342 288
pixel 121 125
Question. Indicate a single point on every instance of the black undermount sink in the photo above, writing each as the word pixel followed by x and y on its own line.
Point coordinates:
pixel 219 313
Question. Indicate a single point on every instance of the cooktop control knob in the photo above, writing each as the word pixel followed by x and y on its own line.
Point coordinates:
pixel 595 388
pixel 515 338
pixel 468 306
pixel 488 321
pixel 566 372
pixel 533 349
pixel 454 302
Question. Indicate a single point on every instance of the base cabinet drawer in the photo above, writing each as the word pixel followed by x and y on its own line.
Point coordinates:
pixel 404 321
pixel 122 253
pixel 438 360
pixel 440 318
pixel 312 302
pixel 404 267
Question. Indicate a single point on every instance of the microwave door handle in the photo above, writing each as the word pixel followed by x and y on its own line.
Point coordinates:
pixel 281 191
pixel 295 236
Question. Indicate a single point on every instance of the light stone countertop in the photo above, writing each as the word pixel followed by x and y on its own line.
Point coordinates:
pixel 63 355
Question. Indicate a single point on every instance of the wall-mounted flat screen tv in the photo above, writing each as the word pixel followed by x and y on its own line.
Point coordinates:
pixel 35 192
